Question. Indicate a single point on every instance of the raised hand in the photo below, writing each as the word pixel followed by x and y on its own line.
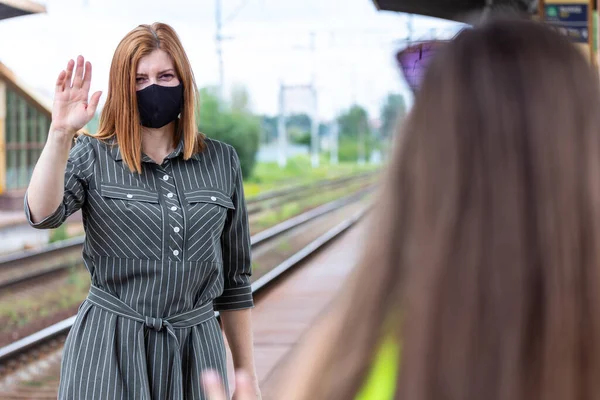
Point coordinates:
pixel 71 109
pixel 214 390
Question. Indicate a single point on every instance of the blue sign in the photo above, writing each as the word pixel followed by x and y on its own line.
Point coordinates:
pixel 569 19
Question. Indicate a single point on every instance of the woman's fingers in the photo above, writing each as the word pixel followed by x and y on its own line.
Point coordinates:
pixel 78 79
pixel 60 81
pixel 93 104
pixel 69 75
pixel 87 77
pixel 243 387
pixel 213 387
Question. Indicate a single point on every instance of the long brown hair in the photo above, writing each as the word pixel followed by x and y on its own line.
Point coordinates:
pixel 484 245
pixel 120 116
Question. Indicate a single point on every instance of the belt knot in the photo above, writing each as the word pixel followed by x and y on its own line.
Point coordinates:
pixel 154 323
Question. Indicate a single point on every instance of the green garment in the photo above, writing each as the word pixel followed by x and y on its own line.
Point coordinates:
pixel 381 381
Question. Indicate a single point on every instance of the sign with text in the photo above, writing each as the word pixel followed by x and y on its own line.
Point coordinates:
pixel 570 19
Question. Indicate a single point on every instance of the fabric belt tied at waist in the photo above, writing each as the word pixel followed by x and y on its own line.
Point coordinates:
pixel 194 317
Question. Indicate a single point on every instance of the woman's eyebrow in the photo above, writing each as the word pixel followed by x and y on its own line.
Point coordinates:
pixel 160 73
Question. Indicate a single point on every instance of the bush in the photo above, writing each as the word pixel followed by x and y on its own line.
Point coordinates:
pixel 300 138
pixel 348 149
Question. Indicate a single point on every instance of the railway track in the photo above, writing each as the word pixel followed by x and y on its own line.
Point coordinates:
pixel 49 340
pixel 16 269
pixel 278 197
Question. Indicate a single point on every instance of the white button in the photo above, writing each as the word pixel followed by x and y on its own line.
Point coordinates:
pixel 170 195
pixel 176 229
pixel 213 198
pixel 129 196
pixel 166 178
pixel 175 253
pixel 173 208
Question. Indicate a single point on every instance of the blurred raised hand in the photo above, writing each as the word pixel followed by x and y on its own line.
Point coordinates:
pixel 244 388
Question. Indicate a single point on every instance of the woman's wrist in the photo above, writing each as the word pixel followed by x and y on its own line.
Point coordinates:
pixel 249 371
pixel 60 136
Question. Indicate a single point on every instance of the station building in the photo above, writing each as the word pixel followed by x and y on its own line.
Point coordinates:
pixel 24 120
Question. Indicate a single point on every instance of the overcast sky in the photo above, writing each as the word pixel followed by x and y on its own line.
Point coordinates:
pixel 268 43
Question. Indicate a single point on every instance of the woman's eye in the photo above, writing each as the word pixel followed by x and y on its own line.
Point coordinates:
pixel 168 76
pixel 138 80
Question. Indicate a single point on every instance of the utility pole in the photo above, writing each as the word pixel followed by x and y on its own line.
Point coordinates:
pixel 334 130
pixel 314 112
pixel 281 129
pixel 361 146
pixel 219 40
pixel 314 137
pixel 281 123
pixel 353 77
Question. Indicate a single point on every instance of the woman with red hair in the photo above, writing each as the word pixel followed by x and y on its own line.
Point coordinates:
pixel 167 237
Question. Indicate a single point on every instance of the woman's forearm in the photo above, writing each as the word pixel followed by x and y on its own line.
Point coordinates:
pixel 238 329
pixel 46 188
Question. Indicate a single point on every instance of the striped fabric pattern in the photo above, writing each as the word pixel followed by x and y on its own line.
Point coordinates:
pixel 167 242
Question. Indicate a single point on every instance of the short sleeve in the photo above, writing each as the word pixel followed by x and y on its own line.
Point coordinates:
pixel 236 249
pixel 79 168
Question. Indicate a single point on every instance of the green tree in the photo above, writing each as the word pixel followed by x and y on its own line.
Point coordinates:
pixel 323 129
pixel 392 112
pixel 299 136
pixel 353 122
pixel 269 129
pixel 301 122
pixel 236 126
pixel 299 127
pixel 354 134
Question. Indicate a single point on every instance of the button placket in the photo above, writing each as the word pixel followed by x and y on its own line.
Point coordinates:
pixel 174 211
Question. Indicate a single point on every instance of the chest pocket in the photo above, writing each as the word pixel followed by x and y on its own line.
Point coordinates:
pixel 129 194
pixel 208 209
pixel 132 218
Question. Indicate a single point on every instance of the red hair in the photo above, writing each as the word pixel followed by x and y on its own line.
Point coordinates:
pixel 120 117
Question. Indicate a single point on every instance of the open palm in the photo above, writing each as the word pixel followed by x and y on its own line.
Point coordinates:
pixel 71 109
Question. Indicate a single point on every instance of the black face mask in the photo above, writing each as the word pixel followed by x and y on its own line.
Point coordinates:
pixel 158 105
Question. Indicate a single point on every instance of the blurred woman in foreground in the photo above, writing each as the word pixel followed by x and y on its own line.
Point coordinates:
pixel 484 255
pixel 484 252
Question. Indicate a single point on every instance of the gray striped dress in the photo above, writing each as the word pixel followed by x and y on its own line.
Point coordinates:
pixel 164 249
